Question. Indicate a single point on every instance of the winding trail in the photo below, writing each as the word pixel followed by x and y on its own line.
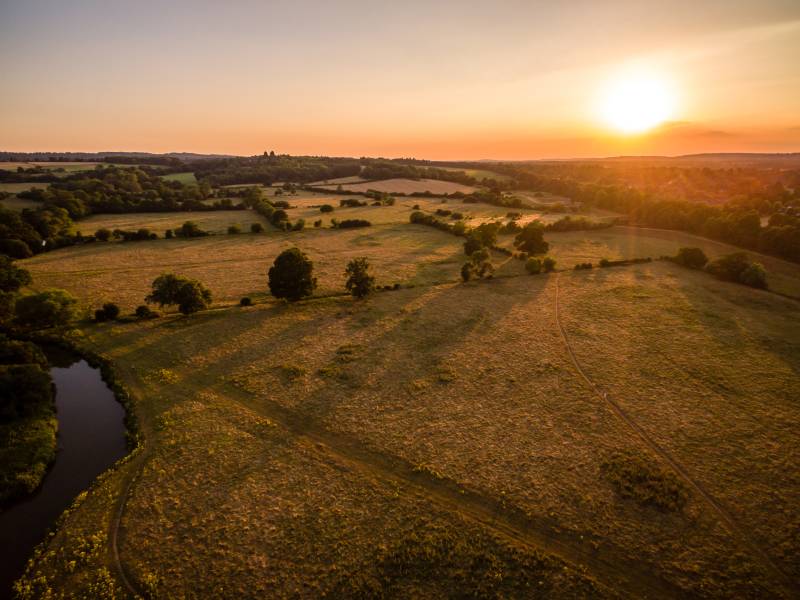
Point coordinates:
pixel 727 519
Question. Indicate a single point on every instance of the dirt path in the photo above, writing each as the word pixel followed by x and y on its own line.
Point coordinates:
pixel 727 519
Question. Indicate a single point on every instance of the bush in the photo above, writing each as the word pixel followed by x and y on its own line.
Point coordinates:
pixel 291 276
pixel 533 266
pixel 472 245
pixel 350 223
pixel 692 258
pixel 17 352
pixel 531 239
pixel 457 216
pixel 604 262
pixel 168 235
pixel 234 229
pixel 318 223
pixel 466 272
pixel 580 266
pixel 15 248
pixel 23 390
pixel 755 276
pixel 326 208
pixel 299 225
pixel 246 301
pixel 51 308
pixel 549 264
pixel 11 276
pixel 351 203
pixel 103 234
pixel 190 229
pixel 359 283
pixel 190 295
pixel 144 312
pixel 635 479
pixel 256 228
pixel 109 312
pixel 443 212
pixel 415 207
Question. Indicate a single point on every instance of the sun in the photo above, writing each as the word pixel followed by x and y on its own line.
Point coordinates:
pixel 635 102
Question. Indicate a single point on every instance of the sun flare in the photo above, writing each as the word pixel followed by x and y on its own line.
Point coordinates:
pixel 637 102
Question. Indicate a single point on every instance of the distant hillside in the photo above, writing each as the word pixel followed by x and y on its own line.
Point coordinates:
pixel 102 156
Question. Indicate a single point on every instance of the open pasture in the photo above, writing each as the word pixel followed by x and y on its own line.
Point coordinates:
pixel 215 221
pixel 233 266
pixel 185 178
pixel 572 247
pixel 409 186
pixel 16 188
pixel 14 203
pixel 479 174
pixel 317 429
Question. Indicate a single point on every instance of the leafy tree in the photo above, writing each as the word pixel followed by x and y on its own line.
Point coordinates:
pixel 692 258
pixel 549 264
pixel 471 245
pixel 17 352
pixel 109 312
pixel 103 234
pixel 291 276
pixel 359 282
pixel 191 229
pixel 533 266
pixel 755 276
pixel 169 289
pixel 256 228
pixel 730 266
pixel 486 233
pixel 15 248
pixel 531 239
pixel 326 208
pixel 23 389
pixel 234 229
pixel 11 276
pixel 466 271
pixel 481 264
pixel 51 308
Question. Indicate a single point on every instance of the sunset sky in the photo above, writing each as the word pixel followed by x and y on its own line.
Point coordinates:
pixel 439 80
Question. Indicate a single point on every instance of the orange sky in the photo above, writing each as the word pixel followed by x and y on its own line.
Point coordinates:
pixel 444 80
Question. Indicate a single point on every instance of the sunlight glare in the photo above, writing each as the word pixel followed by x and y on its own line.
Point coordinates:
pixel 636 102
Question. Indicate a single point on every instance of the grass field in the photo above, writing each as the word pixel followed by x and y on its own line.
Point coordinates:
pixel 69 167
pixel 216 221
pixel 570 248
pixel 479 174
pixel 16 188
pixel 185 178
pixel 409 186
pixel 233 266
pixel 440 438
pixel 15 203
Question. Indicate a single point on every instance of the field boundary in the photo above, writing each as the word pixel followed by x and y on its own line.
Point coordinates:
pixel 727 519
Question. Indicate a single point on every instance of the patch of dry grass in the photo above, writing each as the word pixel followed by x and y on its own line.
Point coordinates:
pixel 410 186
pixel 216 221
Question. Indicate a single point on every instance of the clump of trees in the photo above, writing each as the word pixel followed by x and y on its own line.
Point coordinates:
pixel 739 268
pixel 352 223
pixel 190 229
pixel 51 308
pixel 531 239
pixel 108 312
pixel 326 208
pixel 351 203
pixel 291 275
pixel 569 223
pixel 359 282
pixel 691 258
pixel 189 294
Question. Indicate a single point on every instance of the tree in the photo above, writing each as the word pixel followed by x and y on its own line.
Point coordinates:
pixel 290 276
pixel 359 282
pixel 169 289
pixel 23 389
pixel 466 271
pixel 17 352
pixel 51 308
pixel 471 245
pixel 730 266
pixel 481 266
pixel 549 264
pixel 234 229
pixel 755 276
pixel 531 239
pixel 11 276
pixel 533 266
pixel 15 248
pixel 692 258
pixel 103 234
pixel 326 208
pixel 256 228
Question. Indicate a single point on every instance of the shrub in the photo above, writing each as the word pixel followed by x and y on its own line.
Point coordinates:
pixel 234 229
pixel 444 212
pixel 281 204
pixel 351 202
pixel 604 262
pixel 755 276
pixel 246 301
pixel 190 229
pixel 581 266
pixel 15 248
pixel 472 245
pixel 23 390
pixel 318 223
pixel 51 308
pixel 457 216
pixel 168 235
pixel 109 312
pixel 144 312
pixel 16 352
pixel 350 223
pixel 533 266
pixel 326 208
pixel 692 258
pixel 103 234
pixel 359 282
pixel 190 295
pixel 466 271
pixel 299 225
pixel 291 276
pixel 415 207
pixel 11 276
pixel 256 228
pixel 531 239
pixel 549 264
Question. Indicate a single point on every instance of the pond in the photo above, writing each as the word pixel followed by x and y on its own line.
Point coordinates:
pixel 91 438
